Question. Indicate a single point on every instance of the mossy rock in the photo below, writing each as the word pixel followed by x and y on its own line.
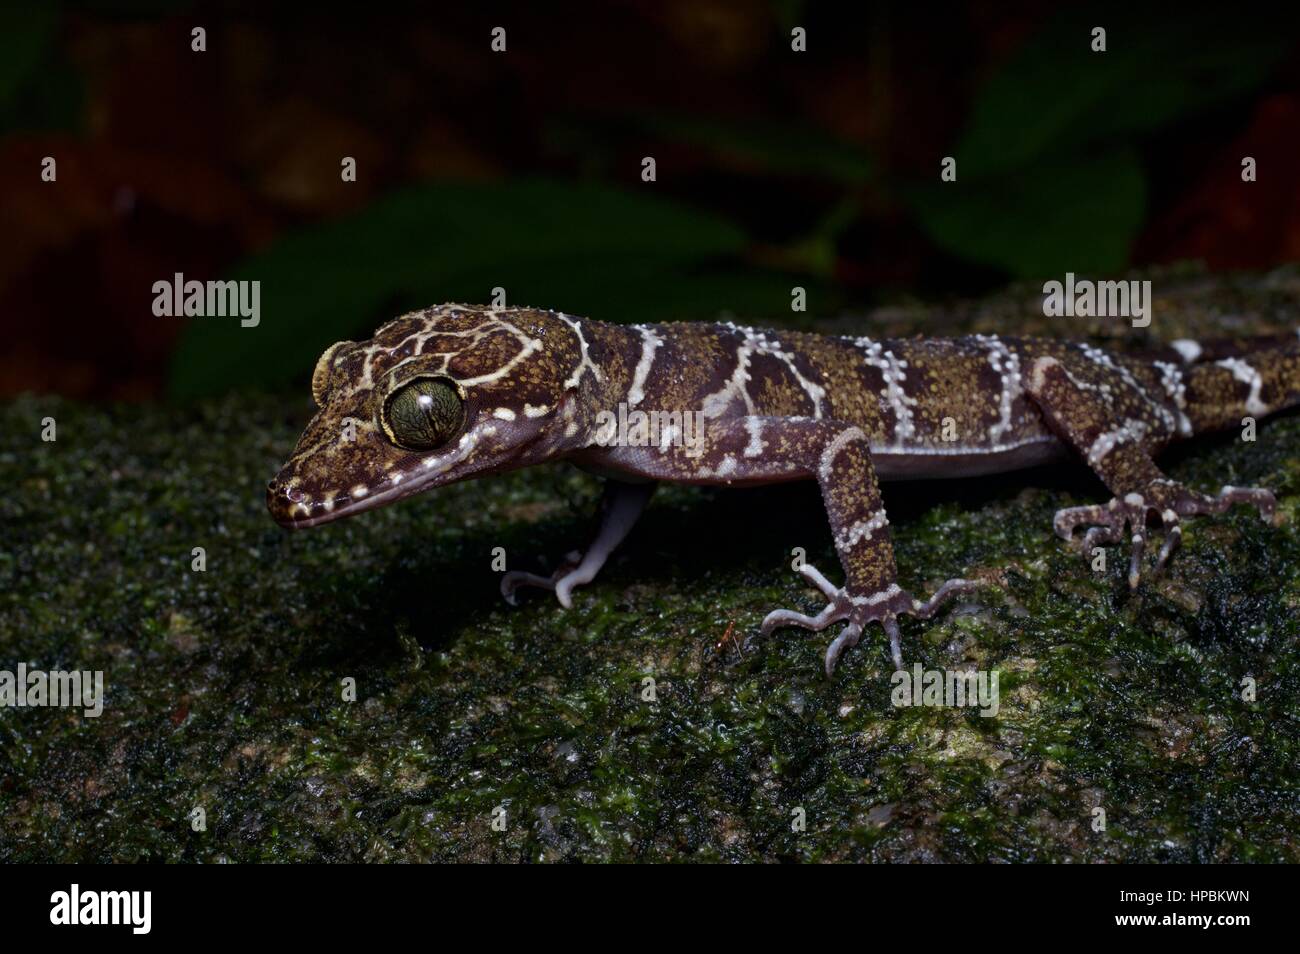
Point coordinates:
pixel 224 688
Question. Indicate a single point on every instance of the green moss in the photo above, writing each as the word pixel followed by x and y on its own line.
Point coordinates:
pixel 224 687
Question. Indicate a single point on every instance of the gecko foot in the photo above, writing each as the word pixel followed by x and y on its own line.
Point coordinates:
pixel 620 506
pixel 883 607
pixel 1170 502
pixel 568 575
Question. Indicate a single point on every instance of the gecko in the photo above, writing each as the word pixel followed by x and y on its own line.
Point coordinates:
pixel 456 392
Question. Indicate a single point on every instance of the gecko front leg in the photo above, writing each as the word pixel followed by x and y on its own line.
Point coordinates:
pixel 761 450
pixel 621 504
pixel 839 457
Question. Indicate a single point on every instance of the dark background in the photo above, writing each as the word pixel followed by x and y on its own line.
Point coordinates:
pixel 522 169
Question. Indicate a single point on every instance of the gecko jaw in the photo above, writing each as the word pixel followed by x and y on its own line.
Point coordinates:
pixel 292 508
pixel 289 508
pixel 283 506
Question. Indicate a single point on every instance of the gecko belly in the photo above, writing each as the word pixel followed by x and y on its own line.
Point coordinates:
pixel 904 463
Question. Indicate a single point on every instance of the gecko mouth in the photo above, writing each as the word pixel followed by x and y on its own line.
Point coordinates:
pixel 292 507
pixel 295 510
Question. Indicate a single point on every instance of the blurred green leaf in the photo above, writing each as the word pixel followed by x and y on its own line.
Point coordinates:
pixel 24 42
pixel 584 249
pixel 1076 214
pixel 1161 64
pixel 40 89
pixel 789 14
pixel 1047 178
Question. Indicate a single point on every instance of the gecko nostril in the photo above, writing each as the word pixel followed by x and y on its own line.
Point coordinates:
pixel 287 503
pixel 280 493
pixel 277 486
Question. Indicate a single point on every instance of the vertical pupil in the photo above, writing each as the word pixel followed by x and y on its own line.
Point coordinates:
pixel 425 413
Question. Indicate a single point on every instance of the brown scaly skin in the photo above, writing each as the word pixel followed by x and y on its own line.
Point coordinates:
pixel 775 406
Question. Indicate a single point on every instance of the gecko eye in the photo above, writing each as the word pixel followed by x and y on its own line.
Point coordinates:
pixel 424 414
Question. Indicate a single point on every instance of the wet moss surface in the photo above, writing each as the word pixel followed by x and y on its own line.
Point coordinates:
pixel 224 688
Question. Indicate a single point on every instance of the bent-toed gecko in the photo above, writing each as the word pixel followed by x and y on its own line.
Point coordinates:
pixel 459 391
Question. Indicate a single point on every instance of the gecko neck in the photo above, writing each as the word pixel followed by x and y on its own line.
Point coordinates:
pixel 618 350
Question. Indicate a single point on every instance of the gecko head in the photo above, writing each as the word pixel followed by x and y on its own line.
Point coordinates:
pixel 434 397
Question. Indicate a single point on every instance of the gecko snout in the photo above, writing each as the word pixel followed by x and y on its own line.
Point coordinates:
pixel 285 502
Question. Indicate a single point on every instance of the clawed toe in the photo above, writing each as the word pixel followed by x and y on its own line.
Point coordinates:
pixel 778 618
pixel 847 639
pixel 1262 500
pixel 561 582
pixel 1173 537
pixel 883 607
pixel 1170 502
pixel 814 576
pixel 942 595
pixel 515 579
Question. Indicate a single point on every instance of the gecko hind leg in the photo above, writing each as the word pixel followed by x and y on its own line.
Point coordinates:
pixel 884 608
pixel 1117 428
pixel 1169 501
pixel 621 505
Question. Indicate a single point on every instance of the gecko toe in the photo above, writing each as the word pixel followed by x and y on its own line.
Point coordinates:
pixel 1099 536
pixel 1262 500
pixel 1173 537
pixel 782 617
pixel 895 641
pixel 561 582
pixel 950 589
pixel 1170 501
pixel 883 607
pixel 847 639
pixel 817 579
pixel 564 585
pixel 1135 559
pixel 513 580
pixel 1068 519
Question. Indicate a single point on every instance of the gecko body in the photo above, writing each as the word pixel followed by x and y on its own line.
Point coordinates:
pixel 457 392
